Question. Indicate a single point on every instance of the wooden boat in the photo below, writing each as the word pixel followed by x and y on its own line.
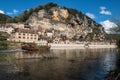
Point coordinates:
pixel 30 47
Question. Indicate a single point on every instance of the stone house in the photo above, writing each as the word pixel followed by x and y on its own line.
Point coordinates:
pixel 24 35
pixel 6 28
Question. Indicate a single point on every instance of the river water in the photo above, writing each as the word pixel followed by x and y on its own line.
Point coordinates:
pixel 73 64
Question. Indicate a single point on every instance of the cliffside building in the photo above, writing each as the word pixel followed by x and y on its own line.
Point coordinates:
pixel 24 35
pixel 6 28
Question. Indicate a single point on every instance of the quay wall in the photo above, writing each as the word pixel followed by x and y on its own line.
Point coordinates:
pixel 80 46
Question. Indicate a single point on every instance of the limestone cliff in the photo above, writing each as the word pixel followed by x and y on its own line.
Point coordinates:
pixel 65 23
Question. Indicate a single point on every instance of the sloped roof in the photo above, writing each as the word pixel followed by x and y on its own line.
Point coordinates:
pixel 26 31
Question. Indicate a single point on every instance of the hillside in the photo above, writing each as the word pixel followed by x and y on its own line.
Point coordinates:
pixel 64 22
pixel 47 7
pixel 4 18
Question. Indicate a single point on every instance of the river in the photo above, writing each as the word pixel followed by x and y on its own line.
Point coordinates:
pixel 56 64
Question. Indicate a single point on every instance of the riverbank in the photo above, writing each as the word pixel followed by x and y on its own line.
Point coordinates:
pixel 8 45
pixel 80 46
pixel 13 45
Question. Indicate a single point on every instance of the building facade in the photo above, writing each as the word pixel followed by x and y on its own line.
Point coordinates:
pixel 24 35
pixel 7 28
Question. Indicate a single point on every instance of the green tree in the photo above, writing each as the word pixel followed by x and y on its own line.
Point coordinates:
pixel 3 18
pixel 115 29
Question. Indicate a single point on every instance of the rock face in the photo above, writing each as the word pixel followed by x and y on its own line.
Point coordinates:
pixel 65 23
pixel 57 13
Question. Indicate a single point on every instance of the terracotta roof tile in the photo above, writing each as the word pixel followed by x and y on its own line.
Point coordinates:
pixel 26 31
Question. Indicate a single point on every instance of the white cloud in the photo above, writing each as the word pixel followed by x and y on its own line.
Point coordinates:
pixel 102 8
pixel 107 25
pixel 90 15
pixel 2 12
pixel 104 11
pixel 13 12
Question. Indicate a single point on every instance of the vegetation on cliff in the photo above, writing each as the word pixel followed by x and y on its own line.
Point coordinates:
pixel 4 18
pixel 115 30
pixel 27 13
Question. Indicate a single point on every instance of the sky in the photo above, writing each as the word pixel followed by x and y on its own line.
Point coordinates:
pixel 101 11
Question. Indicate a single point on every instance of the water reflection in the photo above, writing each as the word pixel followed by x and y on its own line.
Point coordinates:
pixel 85 64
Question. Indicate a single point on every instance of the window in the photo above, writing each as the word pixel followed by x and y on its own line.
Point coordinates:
pixel 19 37
pixel 23 33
